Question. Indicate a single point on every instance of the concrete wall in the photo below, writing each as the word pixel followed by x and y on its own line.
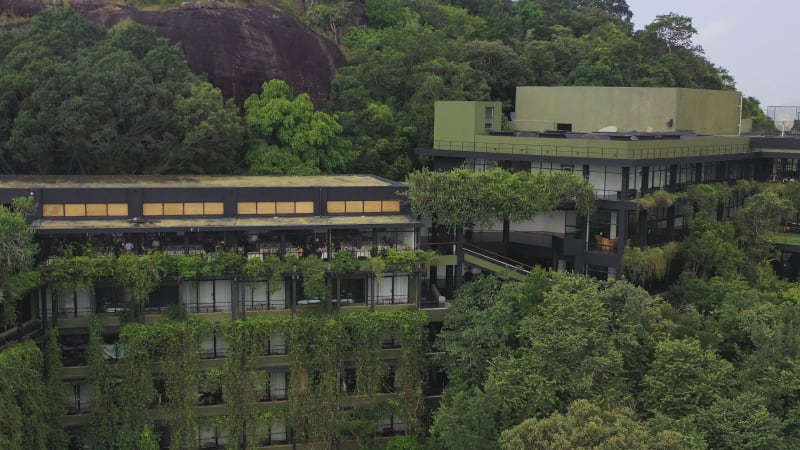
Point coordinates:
pixel 589 108
pixel 708 112
pixel 461 121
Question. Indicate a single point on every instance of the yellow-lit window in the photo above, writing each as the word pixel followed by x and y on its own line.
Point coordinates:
pixel 53 210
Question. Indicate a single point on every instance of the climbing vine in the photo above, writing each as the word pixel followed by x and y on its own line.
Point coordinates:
pixel 320 347
pixel 179 352
pixel 409 327
pixel 25 407
pixel 242 379
pixel 142 273
pixel 136 393
pixel 56 438
pixel 317 345
pixel 105 414
pixel 366 332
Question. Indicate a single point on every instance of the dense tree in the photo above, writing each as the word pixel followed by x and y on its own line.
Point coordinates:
pixel 466 420
pixel 381 138
pixel 288 137
pixel 757 222
pixel 684 378
pixel 586 425
pixel 77 99
pixel 500 67
pixel 743 423
pixel 470 338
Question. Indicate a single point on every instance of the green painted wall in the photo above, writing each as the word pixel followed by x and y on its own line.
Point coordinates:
pixel 589 108
pixel 461 121
pixel 708 112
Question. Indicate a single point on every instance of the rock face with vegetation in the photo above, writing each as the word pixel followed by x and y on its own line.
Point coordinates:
pixel 237 48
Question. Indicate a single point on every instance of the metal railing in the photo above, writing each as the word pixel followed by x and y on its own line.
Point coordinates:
pixel 497 259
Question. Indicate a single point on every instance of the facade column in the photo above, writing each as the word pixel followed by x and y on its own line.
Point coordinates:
pixel 622 238
pixel 643 228
pixel 626 176
pixel 458 276
pixel 671 223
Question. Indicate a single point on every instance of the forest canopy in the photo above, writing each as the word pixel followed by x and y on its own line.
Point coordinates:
pixel 76 98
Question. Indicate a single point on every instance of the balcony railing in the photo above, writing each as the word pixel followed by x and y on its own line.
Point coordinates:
pixel 578 148
pixel 274 395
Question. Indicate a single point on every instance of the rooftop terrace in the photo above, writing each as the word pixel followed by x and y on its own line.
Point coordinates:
pixel 185 181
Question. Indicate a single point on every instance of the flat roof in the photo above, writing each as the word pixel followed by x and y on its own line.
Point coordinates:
pixel 226 223
pixel 187 181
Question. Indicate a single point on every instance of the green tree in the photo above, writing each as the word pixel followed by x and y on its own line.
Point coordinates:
pixel 568 340
pixel 757 222
pixel 751 109
pixel 500 67
pixel 711 248
pixel 288 137
pixel 742 423
pixel 674 31
pixel 471 338
pixel 586 425
pixel 381 140
pixel 77 99
pixel 684 378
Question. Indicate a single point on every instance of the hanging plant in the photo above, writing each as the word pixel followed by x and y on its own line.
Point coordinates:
pixel 55 435
pixel 651 264
pixel 410 260
pixel 188 267
pixel 77 272
pixel 277 269
pixel 376 265
pixel 344 262
pixel 660 199
pixel 143 274
pixel 313 270
pixel 224 263
pixel 707 197
pixel 136 393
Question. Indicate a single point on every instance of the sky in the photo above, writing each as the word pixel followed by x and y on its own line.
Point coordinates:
pixel 753 40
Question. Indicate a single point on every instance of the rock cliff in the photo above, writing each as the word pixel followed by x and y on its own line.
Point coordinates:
pixel 237 48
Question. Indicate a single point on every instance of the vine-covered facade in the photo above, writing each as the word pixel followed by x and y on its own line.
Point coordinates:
pixel 227 312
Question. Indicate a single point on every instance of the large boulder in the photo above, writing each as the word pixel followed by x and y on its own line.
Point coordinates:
pixel 237 48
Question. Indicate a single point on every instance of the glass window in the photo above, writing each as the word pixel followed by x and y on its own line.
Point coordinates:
pixel 489 118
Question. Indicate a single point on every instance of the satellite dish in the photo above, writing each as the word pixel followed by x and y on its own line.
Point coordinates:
pixel 784 122
pixel 608 129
